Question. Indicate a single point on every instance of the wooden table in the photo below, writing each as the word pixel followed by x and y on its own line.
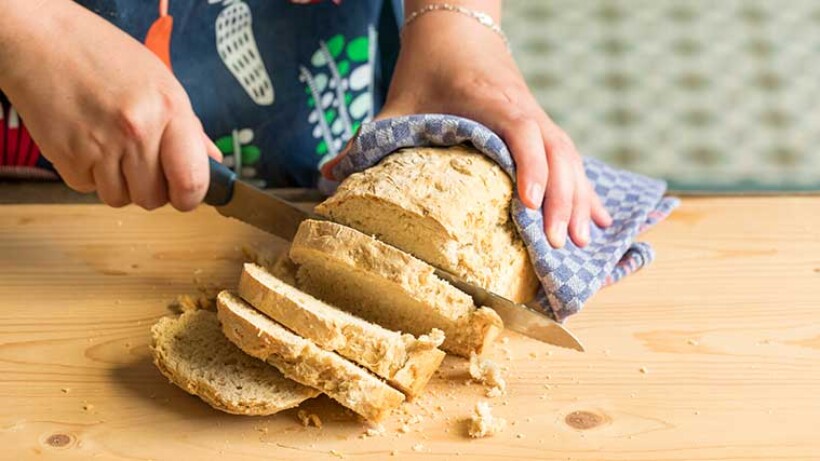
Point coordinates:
pixel 711 353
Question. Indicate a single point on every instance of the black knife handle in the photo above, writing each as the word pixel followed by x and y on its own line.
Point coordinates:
pixel 220 189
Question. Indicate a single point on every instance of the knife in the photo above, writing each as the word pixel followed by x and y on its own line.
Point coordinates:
pixel 236 199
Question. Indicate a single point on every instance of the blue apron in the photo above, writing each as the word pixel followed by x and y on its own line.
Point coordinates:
pixel 279 85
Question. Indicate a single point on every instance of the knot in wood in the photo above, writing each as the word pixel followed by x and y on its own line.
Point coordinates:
pixel 59 440
pixel 584 420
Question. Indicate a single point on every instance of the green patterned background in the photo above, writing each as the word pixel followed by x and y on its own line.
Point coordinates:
pixel 713 95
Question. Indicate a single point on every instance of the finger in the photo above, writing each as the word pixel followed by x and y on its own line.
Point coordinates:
pixel 560 195
pixel 79 179
pixel 579 221
pixel 110 182
pixel 527 148
pixel 184 160
pixel 145 178
pixel 600 215
pixel 327 169
pixel 210 147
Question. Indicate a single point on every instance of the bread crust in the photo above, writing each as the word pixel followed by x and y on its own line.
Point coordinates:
pixel 404 361
pixel 302 361
pixel 330 251
pixel 170 334
pixel 446 206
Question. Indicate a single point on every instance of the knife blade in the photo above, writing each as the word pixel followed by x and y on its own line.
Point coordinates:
pixel 242 201
pixel 517 317
pixel 249 204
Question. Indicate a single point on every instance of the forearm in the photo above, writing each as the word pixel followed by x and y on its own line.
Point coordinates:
pixel 25 26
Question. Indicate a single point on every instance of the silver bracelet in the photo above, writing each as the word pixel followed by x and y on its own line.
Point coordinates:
pixel 483 18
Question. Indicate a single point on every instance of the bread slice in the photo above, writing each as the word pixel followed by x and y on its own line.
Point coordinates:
pixel 404 361
pixel 304 362
pixel 191 351
pixel 446 206
pixel 380 283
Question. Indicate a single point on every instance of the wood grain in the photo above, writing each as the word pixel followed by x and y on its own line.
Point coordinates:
pixel 711 353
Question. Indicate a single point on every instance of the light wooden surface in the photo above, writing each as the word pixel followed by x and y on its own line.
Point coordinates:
pixel 711 353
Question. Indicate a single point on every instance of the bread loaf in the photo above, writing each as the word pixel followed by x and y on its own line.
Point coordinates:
pixel 303 361
pixel 446 206
pixel 404 361
pixel 382 284
pixel 191 351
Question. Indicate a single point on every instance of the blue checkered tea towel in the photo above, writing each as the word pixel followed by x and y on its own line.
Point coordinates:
pixel 570 275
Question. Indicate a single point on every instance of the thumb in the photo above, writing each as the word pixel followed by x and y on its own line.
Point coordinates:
pixel 327 168
pixel 388 111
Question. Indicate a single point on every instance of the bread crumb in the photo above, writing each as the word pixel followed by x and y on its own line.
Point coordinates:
pixel 337 454
pixel 431 340
pixel 65 390
pixel 505 340
pixel 488 373
pixel 418 447
pixel 374 431
pixel 394 452
pixel 483 423
pixel 644 370
pixel 88 407
pixel 494 392
pixel 692 342
pixel 308 419
pixel 519 436
pixel 533 355
pixel 187 303
pixel 404 429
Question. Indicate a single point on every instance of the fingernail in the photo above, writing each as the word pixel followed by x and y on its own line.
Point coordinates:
pixel 583 233
pixel 557 234
pixel 535 194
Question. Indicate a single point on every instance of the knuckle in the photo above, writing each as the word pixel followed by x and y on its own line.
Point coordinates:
pixel 173 98
pixel 518 121
pixel 189 186
pixel 148 203
pixel 83 187
pixel 132 124
pixel 117 201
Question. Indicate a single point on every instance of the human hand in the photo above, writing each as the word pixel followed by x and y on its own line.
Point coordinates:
pixel 449 63
pixel 104 110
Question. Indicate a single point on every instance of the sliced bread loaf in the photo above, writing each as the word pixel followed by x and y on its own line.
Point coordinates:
pixel 387 286
pixel 446 206
pixel 404 361
pixel 191 351
pixel 302 361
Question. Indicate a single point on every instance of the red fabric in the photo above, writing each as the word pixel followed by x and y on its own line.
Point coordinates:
pixel 19 154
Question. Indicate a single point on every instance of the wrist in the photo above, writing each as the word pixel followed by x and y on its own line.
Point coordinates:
pixel 446 31
pixel 489 7
pixel 452 24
